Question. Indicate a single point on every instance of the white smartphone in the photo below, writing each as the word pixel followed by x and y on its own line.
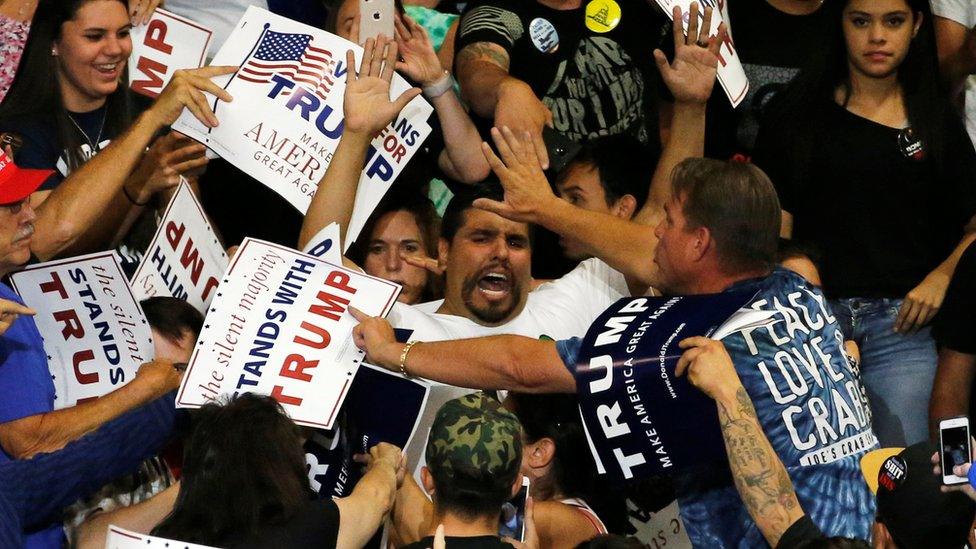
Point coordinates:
pixel 511 521
pixel 375 18
pixel 954 447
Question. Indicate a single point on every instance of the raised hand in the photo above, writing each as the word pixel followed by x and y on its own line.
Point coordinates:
pixel 171 156
pixel 527 191
pixel 418 59
pixel 691 75
pixel 185 90
pixel 367 106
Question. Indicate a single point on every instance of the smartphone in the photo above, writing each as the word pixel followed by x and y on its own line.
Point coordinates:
pixel 511 521
pixel 954 446
pixel 561 149
pixel 375 18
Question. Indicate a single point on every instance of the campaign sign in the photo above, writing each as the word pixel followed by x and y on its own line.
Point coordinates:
pixel 185 259
pixel 279 326
pixel 120 538
pixel 363 424
pixel 325 244
pixel 95 334
pixel 731 75
pixel 639 418
pixel 164 45
pixel 286 118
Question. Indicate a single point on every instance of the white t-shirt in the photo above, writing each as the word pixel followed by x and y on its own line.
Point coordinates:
pixel 221 16
pixel 964 13
pixel 560 309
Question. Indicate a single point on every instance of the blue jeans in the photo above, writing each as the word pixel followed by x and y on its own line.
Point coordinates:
pixel 897 369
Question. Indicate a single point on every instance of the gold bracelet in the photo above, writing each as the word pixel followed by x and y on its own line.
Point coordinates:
pixel 403 357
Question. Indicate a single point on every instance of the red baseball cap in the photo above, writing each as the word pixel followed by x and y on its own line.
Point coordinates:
pixel 16 183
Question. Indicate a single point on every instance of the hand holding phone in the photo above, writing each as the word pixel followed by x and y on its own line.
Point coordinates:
pixel 375 18
pixel 954 448
pixel 511 521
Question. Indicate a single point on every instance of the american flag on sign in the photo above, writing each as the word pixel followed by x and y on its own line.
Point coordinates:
pixel 293 56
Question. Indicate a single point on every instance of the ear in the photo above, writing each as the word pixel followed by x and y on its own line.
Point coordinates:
pixel 625 207
pixel 703 243
pixel 427 480
pixel 541 452
pixel 919 17
pixel 443 247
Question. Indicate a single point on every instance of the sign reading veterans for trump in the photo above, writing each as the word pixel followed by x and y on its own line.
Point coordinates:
pixel 164 45
pixel 278 326
pixel 325 244
pixel 731 75
pixel 95 334
pixel 185 259
pixel 284 123
pixel 639 418
pixel 120 538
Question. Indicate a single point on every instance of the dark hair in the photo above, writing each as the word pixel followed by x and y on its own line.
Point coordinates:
pixel 804 102
pixel 834 543
pixel 739 206
pixel 463 200
pixel 624 165
pixel 611 541
pixel 473 497
pixel 36 90
pixel 424 215
pixel 243 470
pixel 172 317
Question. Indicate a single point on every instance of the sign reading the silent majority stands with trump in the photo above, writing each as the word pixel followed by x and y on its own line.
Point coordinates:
pixel 185 259
pixel 279 326
pixel 639 418
pixel 284 123
pixel 95 334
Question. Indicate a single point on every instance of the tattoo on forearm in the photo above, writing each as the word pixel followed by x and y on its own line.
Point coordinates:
pixel 760 477
pixel 485 52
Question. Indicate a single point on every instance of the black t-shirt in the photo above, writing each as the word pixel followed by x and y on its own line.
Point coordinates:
pixel 594 83
pixel 772 46
pixel 315 525
pixel 473 542
pixel 955 326
pixel 881 220
pixel 800 533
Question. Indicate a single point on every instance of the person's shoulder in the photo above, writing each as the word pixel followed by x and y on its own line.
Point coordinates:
pixel 959 11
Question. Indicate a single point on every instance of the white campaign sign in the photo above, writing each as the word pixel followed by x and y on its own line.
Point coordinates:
pixel 164 45
pixel 119 538
pixel 279 326
pixel 325 244
pixel 731 75
pixel 185 259
pixel 95 334
pixel 284 123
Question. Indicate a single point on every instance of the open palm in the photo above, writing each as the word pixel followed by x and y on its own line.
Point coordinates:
pixel 691 75
pixel 418 59
pixel 366 104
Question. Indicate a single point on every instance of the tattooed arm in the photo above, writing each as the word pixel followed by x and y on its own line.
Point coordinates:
pixel 760 477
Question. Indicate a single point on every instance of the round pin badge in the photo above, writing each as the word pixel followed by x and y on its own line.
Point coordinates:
pixel 544 35
pixel 602 15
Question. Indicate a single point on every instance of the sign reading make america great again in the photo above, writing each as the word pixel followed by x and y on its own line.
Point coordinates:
pixel 279 326
pixel 95 333
pixel 284 123
pixel 639 418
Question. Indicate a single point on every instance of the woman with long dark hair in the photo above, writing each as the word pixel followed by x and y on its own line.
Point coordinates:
pixel 70 100
pixel 874 169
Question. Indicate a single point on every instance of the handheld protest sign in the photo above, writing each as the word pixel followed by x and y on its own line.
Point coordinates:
pixel 164 45
pixel 731 75
pixel 639 418
pixel 325 244
pixel 279 326
pixel 119 538
pixel 284 123
pixel 95 334
pixel 185 258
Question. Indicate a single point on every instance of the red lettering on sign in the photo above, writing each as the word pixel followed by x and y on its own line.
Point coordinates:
pixel 72 324
pixel 156 36
pixel 174 234
pixel 55 285
pixel 295 366
pixel 324 337
pixel 278 394
pixel 190 255
pixel 340 280
pixel 76 360
pixel 154 71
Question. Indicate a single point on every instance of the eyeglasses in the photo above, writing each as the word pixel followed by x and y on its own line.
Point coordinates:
pixel 14 207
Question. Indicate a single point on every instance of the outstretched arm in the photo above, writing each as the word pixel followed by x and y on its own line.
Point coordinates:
pixel 507 362
pixel 528 197
pixel 760 477
pixel 74 216
pixel 367 109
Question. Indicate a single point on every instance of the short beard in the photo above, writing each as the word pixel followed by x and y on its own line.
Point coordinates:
pixel 490 315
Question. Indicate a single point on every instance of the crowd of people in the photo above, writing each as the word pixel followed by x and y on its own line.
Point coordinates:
pixel 581 153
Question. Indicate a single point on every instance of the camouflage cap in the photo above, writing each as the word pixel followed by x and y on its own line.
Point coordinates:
pixel 474 438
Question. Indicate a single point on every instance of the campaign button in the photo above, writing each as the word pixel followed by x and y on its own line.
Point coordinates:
pixel 602 15
pixel 544 35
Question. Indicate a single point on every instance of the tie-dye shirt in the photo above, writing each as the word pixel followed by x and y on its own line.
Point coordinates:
pixel 13 38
